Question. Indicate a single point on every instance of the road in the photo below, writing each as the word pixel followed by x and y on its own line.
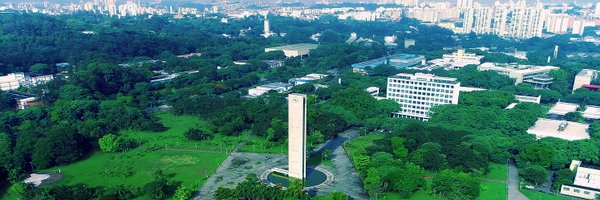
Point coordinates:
pixel 513 183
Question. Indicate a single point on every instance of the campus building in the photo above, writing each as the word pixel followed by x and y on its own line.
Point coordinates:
pixel 535 75
pixel 294 50
pixel 418 93
pixel 260 90
pixel 586 184
pixel 584 78
pixel 13 81
pixel 457 60
pixel 397 60
pixel 307 79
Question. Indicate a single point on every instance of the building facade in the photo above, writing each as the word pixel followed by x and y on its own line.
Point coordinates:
pixel 418 93
pixel 586 184
pixel 584 77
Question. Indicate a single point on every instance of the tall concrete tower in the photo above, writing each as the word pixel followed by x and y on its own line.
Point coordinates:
pixel 297 136
pixel 555 55
pixel 267 28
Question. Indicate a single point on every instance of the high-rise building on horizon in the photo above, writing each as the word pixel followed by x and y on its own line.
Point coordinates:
pixel 418 93
pixel 510 20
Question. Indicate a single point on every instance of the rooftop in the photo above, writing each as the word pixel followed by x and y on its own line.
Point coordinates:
pixel 425 77
pixel 396 60
pixel 295 47
pixel 559 129
pixel 562 108
pixel 592 112
pixel 517 67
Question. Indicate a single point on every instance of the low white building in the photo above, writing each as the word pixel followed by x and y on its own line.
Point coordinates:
pixel 584 78
pixel 418 93
pixel 457 60
pixel 521 73
pixel 306 79
pixel 586 184
pixel 562 108
pixel 260 90
pixel 294 50
pixel 15 80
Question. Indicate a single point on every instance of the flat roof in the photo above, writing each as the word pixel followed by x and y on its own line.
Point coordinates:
pixel 397 60
pixel 562 108
pixel 470 89
pixel 294 47
pixel 550 128
pixel 592 112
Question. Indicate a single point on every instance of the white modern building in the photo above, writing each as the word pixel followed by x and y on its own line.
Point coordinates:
pixel 521 73
pixel 457 60
pixel 11 81
pixel 306 79
pixel 584 78
pixel 15 80
pixel 586 184
pixel 260 90
pixel 418 93
pixel 297 136
pixel 294 50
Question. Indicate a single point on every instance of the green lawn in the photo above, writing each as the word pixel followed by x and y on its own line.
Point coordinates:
pixel 258 144
pixel 174 137
pixel 135 167
pixel 533 195
pixel 497 172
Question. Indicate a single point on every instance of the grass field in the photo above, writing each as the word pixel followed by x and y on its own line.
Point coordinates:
pixel 135 167
pixel 258 144
pixel 174 137
pixel 533 195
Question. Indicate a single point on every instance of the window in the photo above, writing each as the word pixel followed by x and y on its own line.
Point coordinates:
pixel 566 189
pixel 586 192
pixel 576 191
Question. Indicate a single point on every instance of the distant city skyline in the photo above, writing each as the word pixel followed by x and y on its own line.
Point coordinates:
pixel 308 1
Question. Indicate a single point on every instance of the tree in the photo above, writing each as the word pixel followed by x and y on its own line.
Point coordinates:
pixel 562 176
pixel 197 134
pixel 537 153
pixel 373 182
pixel 456 185
pixel 535 174
pixel 40 68
pixel 573 116
pixel 183 193
pixel 429 156
pixel 406 180
pixel 110 143
pixel 398 147
pixel 6 101
pixel 160 187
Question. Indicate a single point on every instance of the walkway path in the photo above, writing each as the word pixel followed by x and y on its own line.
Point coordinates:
pixel 513 183
pixel 346 177
pixel 209 186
